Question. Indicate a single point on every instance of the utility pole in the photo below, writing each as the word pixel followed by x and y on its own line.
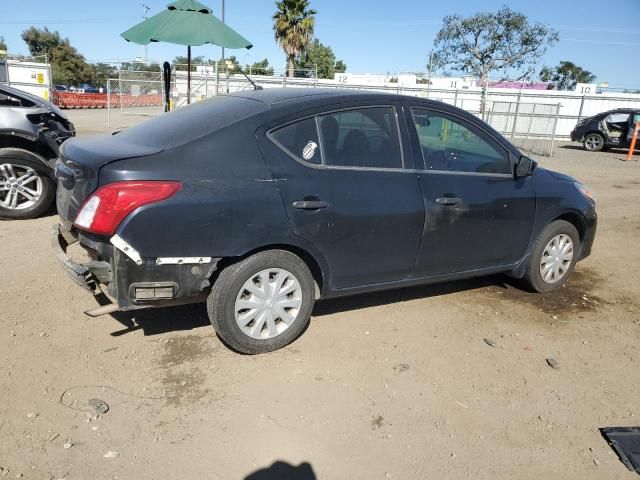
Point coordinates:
pixel 144 16
pixel 429 74
pixel 222 18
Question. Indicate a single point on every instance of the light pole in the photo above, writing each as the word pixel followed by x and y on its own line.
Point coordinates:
pixel 146 10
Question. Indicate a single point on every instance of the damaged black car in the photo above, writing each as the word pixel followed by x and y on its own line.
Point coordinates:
pixel 31 132
pixel 260 203
pixel 611 129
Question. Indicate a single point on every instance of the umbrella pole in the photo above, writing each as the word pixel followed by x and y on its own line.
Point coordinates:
pixel 188 74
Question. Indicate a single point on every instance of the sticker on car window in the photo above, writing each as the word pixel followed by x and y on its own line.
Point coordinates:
pixel 309 150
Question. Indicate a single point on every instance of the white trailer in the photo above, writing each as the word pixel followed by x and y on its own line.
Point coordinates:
pixel 30 77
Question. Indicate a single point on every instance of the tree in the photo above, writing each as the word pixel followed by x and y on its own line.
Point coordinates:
pixel 3 44
pixel 68 66
pixel 320 56
pixel 260 68
pixel 566 75
pixel 484 43
pixel 102 72
pixel 293 25
pixel 180 62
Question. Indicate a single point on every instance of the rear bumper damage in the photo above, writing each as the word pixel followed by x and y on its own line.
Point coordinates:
pixel 130 280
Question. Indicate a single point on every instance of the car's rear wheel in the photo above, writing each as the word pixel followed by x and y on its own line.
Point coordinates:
pixel 553 257
pixel 593 142
pixel 263 302
pixel 26 191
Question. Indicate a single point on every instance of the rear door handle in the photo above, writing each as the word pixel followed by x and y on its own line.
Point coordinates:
pixel 449 201
pixel 310 204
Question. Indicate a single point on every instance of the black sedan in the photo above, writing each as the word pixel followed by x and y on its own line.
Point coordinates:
pixel 611 129
pixel 260 203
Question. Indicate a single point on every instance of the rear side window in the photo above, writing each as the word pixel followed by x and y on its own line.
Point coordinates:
pixel 365 137
pixel 618 118
pixel 300 139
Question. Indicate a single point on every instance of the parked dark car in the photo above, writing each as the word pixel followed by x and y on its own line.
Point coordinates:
pixel 262 202
pixel 611 129
pixel 31 132
pixel 86 88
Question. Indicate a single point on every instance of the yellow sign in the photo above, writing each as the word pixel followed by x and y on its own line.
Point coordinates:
pixel 45 94
pixel 40 77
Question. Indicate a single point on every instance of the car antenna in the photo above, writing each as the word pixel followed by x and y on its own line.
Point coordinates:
pixel 231 66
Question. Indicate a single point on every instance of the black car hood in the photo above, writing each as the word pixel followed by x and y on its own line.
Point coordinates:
pixel 560 176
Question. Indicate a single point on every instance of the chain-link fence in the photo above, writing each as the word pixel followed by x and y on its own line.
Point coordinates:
pixel 532 120
pixel 530 126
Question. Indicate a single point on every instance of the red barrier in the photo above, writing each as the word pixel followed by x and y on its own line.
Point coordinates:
pixel 99 100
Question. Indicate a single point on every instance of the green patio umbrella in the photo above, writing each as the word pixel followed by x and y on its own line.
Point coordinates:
pixel 186 22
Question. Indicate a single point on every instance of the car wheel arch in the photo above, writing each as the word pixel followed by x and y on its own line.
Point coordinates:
pixel 574 219
pixel 24 141
pixel 314 261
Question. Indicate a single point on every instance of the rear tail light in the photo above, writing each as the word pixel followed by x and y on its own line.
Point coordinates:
pixel 103 211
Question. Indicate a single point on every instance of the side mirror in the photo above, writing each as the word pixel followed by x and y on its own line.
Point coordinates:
pixel 524 167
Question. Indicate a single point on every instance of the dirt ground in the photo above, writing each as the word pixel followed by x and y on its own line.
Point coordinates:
pixel 400 385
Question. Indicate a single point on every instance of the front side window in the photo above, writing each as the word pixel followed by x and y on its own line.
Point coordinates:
pixel 300 139
pixel 364 137
pixel 450 145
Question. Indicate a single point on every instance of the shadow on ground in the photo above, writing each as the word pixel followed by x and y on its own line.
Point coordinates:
pixel 284 471
pixel 576 296
pixel 156 321
pixel 619 151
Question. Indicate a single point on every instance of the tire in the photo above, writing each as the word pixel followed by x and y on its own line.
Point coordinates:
pixel 593 142
pixel 560 231
pixel 15 164
pixel 261 329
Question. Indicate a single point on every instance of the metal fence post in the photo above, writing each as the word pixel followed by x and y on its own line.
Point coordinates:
pixel 515 117
pixel 581 107
pixel 553 133
pixel 120 87
pixel 108 103
pixel 217 78
pixel 455 98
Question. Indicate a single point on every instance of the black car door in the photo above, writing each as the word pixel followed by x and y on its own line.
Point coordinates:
pixel 344 181
pixel 477 215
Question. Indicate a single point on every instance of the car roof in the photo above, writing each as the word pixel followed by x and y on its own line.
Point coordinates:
pixel 622 110
pixel 272 96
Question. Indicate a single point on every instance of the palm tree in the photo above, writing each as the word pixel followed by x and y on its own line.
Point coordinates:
pixel 293 25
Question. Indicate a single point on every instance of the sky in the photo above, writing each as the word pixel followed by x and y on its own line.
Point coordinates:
pixel 370 36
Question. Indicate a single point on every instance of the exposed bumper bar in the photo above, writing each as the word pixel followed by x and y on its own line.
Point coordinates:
pixel 85 275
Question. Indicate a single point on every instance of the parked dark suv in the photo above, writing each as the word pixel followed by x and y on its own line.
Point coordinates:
pixel 611 129
pixel 262 202
pixel 31 132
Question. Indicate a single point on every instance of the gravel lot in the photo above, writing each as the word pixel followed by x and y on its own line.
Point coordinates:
pixel 399 385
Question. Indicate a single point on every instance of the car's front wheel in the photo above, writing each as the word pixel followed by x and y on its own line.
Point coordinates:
pixel 553 257
pixel 26 191
pixel 263 302
pixel 594 142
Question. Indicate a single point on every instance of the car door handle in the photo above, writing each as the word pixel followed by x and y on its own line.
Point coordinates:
pixel 310 204
pixel 449 201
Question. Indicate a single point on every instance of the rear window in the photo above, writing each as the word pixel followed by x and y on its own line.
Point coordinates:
pixel 190 123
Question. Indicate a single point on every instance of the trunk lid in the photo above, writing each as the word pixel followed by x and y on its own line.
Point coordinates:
pixel 77 170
